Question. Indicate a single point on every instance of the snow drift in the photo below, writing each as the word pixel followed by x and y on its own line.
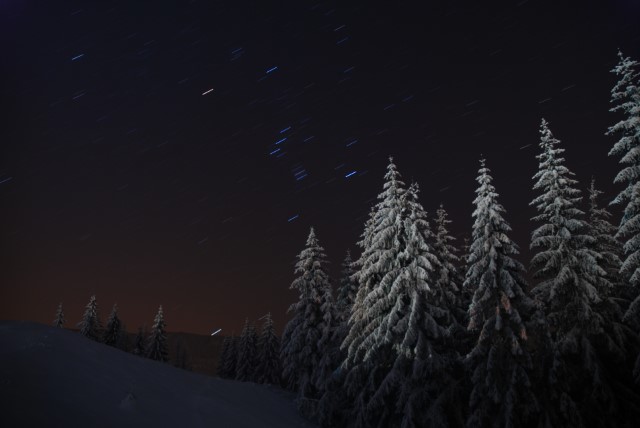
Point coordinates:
pixel 54 377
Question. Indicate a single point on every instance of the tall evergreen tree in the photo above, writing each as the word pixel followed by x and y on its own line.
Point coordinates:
pixel 398 352
pixel 268 367
pixel 247 353
pixel 308 331
pixel 113 331
pixel 157 347
pixel 138 342
pixel 573 288
pixel 90 325
pixel 346 297
pixel 626 97
pixel 59 321
pixel 501 392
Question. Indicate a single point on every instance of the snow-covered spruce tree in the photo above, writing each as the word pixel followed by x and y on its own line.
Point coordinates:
pixel 247 353
pixel 606 244
pixel 90 325
pixel 499 362
pixel 268 367
pixel 113 331
pixel 307 333
pixel 157 348
pixel 626 97
pixel 447 276
pixel 346 297
pixel 571 286
pixel 223 369
pixel 398 358
pixel 138 342
pixel 59 321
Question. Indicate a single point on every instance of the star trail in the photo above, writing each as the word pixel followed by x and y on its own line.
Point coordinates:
pixel 163 153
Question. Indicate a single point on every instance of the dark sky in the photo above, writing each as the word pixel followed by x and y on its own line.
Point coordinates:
pixel 139 141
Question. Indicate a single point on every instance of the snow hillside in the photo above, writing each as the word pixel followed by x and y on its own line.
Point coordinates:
pixel 53 377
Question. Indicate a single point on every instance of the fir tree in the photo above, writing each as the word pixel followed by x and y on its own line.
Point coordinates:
pixel 223 369
pixel 157 348
pixel 182 357
pixel 344 304
pixel 59 321
pixel 573 288
pixel 247 353
pixel 138 343
pixel 309 330
pixel 90 325
pixel 499 361
pixel 268 368
pixel 113 332
pixel 626 97
pixel 447 276
pixel 399 357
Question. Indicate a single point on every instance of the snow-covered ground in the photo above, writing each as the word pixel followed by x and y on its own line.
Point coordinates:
pixel 56 378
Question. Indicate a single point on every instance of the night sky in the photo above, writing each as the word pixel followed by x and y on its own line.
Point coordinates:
pixel 177 152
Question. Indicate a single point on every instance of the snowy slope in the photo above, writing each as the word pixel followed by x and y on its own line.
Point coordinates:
pixel 56 378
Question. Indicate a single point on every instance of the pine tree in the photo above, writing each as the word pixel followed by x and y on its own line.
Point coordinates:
pixel 344 305
pixel 223 369
pixel 138 343
pixel 113 332
pixel 157 348
pixel 399 356
pixel 626 97
pixel 90 325
pixel 499 361
pixel 268 368
pixel 182 357
pixel 447 276
pixel 306 334
pixel 59 321
pixel 247 353
pixel 573 288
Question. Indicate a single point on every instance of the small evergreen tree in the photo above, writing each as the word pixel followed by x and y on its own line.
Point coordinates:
pixel 90 325
pixel 138 343
pixel 268 368
pixel 247 353
pixel 59 321
pixel 157 348
pixel 182 357
pixel 307 334
pixel 223 369
pixel 499 362
pixel 113 332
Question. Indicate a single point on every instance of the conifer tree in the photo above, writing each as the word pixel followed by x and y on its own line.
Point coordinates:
pixel 499 361
pixel 113 331
pixel 574 290
pixel 268 368
pixel 182 357
pixel 308 331
pixel 157 348
pixel 90 325
pixel 138 343
pixel 626 97
pixel 398 351
pixel 447 276
pixel 59 321
pixel 247 353
pixel 223 369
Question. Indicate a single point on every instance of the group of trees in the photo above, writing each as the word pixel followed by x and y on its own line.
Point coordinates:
pixel 252 357
pixel 153 346
pixel 422 335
